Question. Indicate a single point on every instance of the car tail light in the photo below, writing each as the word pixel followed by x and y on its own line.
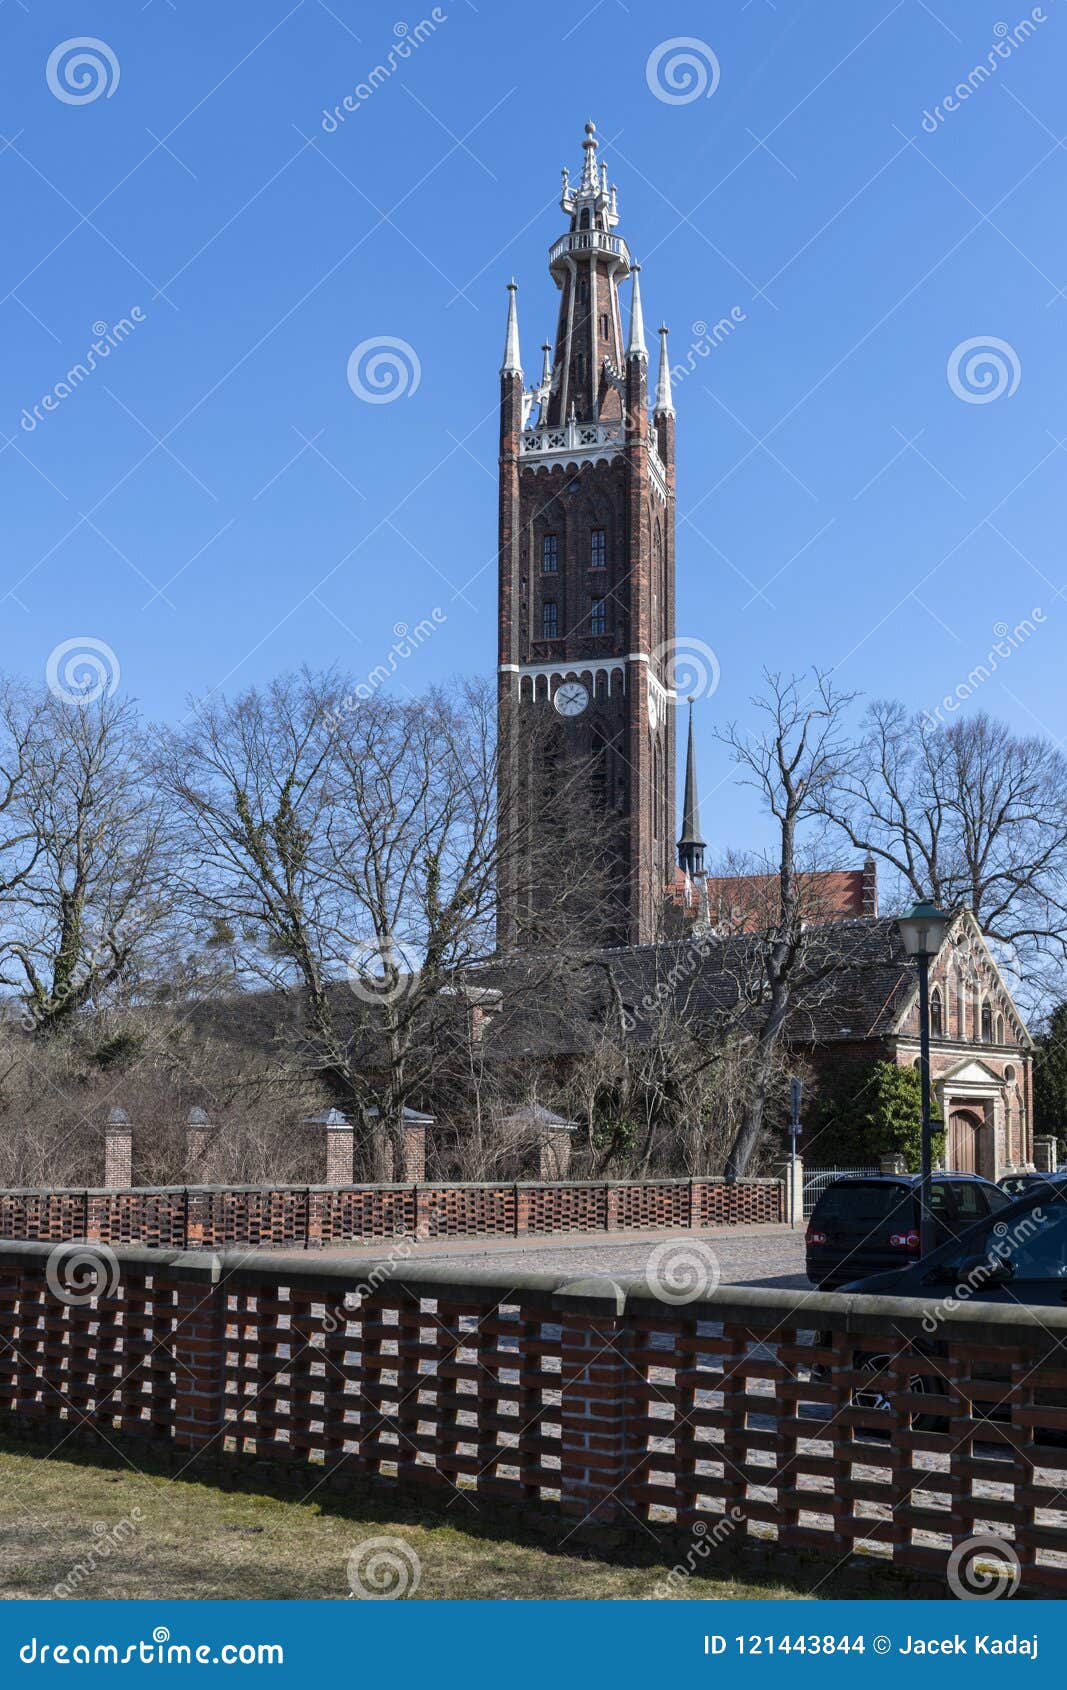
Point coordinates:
pixel 814 1237
pixel 904 1240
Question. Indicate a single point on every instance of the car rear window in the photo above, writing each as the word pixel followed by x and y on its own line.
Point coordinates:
pixel 853 1205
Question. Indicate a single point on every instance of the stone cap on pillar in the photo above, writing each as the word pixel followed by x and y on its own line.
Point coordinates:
pixel 198 1117
pixel 117 1121
pixel 328 1118
pixel 411 1117
pixel 537 1115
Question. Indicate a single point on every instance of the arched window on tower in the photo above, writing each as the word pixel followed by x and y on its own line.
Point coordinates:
pixel 937 1013
pixel 583 221
pixel 987 1024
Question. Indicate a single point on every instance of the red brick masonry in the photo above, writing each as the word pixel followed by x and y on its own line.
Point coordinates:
pixel 190 1217
pixel 585 1410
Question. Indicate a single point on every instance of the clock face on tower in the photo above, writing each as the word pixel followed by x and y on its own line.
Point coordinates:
pixel 571 698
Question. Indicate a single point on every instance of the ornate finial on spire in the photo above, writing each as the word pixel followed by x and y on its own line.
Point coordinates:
pixel 512 364
pixel 589 169
pixel 664 401
pixel 546 362
pixel 637 347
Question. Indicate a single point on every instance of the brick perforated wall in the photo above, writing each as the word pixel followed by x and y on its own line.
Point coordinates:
pixel 746 1419
pixel 211 1217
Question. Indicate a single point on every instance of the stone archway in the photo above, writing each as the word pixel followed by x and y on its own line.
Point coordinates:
pixel 965 1141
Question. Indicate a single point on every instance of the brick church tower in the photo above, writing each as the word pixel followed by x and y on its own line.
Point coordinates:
pixel 586 601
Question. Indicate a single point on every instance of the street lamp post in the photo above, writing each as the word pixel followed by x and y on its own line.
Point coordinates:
pixel 922 931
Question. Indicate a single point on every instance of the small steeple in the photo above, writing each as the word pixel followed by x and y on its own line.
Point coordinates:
pixel 637 347
pixel 546 364
pixel 512 364
pixel 690 845
pixel 664 401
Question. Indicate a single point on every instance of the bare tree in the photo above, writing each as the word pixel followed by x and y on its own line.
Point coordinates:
pixel 90 845
pixel 793 763
pixel 969 813
pixel 348 850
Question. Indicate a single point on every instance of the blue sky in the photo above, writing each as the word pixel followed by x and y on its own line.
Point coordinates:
pixel 215 503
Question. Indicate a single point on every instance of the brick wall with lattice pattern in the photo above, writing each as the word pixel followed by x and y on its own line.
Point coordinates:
pixel 211 1217
pixel 751 1422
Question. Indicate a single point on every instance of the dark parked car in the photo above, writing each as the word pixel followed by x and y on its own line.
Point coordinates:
pixel 1018 1256
pixel 866 1223
pixel 1022 1185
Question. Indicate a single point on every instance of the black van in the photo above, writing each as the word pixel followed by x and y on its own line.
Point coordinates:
pixel 869 1223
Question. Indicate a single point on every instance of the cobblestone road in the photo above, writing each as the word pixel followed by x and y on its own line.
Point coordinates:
pixel 767 1256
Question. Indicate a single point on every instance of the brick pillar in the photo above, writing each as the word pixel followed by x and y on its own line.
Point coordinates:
pixel 556 1153
pixel 118 1151
pixel 340 1142
pixel 198 1131
pixel 199 1349
pixel 414 1153
pixel 596 1459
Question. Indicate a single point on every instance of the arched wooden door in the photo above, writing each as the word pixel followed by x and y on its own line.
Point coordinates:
pixel 964 1144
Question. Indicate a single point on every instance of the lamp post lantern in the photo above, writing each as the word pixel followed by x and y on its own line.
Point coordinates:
pixel 922 931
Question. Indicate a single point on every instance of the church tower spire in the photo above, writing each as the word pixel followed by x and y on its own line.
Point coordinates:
pixel 512 364
pixel 636 347
pixel 587 521
pixel 690 845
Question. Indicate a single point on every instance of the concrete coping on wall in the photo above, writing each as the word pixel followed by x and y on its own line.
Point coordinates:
pixel 842 1314
pixel 369 1185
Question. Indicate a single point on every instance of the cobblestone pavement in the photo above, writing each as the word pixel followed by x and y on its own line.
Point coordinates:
pixel 771 1256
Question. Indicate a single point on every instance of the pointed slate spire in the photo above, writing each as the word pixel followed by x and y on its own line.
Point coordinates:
pixel 512 364
pixel 637 347
pixel 664 400
pixel 690 845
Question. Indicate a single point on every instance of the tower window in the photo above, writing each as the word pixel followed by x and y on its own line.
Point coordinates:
pixel 598 617
pixel 987 1024
pixel 937 1018
pixel 579 369
pixel 549 619
pixel 604 325
pixel 550 553
pixel 582 294
pixel 597 549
